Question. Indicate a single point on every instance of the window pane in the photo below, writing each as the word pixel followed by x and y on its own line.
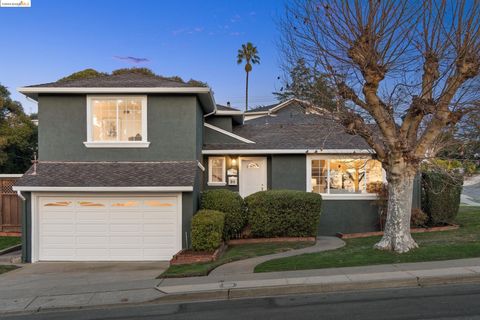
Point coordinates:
pixel 217 170
pixel 104 120
pixel 109 113
pixel 130 120
pixel 374 176
pixel 319 176
pixel 347 176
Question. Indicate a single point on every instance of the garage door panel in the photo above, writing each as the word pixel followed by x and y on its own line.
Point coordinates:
pixel 91 228
pixel 58 241
pixel 93 254
pixel 92 216
pixel 108 228
pixel 89 241
pixel 159 227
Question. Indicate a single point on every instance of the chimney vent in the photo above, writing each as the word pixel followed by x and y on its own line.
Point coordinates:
pixel 228 104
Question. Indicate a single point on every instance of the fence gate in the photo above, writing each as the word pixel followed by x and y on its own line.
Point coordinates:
pixel 10 208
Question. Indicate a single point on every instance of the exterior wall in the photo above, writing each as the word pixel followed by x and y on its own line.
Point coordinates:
pixel 224 122
pixel 172 130
pixel 288 172
pixel 338 216
pixel 212 137
pixel 347 216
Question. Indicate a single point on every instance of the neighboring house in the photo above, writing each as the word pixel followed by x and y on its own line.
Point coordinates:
pixel 122 161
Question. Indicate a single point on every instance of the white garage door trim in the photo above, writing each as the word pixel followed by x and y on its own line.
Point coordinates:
pixel 36 213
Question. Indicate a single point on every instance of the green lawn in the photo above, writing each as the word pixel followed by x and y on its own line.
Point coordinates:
pixel 233 253
pixel 6 242
pixel 4 269
pixel 446 245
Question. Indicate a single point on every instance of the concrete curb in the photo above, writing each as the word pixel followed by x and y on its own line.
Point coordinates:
pixel 11 249
pixel 238 292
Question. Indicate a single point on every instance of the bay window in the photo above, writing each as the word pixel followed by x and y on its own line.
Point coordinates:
pixel 343 175
pixel 118 121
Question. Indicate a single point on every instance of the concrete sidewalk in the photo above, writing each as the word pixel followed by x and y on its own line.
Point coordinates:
pixel 114 293
pixel 322 280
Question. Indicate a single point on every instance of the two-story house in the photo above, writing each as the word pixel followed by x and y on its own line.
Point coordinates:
pixel 122 161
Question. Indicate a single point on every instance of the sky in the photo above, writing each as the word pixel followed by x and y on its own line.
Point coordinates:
pixel 191 39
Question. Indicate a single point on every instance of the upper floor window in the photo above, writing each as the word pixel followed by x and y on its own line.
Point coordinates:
pixel 119 121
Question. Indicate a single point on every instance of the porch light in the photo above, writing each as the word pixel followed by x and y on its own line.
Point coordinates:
pixel 234 162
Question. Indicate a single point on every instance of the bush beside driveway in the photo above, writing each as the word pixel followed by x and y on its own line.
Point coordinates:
pixel 447 245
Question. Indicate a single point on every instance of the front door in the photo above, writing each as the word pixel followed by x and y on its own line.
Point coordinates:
pixel 253 175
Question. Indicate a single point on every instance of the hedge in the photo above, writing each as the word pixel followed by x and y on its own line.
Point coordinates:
pixel 441 196
pixel 230 203
pixel 284 213
pixel 207 230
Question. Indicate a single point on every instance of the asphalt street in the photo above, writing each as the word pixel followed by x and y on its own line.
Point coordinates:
pixel 440 302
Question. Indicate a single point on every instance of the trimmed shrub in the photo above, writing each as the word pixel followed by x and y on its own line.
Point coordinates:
pixel 230 203
pixel 419 218
pixel 441 196
pixel 207 230
pixel 284 213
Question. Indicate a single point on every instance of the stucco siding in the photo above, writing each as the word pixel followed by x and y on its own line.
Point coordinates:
pixel 223 122
pixel 171 120
pixel 347 216
pixel 288 172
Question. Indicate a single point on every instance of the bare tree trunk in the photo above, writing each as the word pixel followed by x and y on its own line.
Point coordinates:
pixel 246 94
pixel 397 235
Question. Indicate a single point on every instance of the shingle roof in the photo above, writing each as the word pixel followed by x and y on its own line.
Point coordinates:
pixel 263 108
pixel 110 174
pixel 293 129
pixel 127 80
pixel 226 108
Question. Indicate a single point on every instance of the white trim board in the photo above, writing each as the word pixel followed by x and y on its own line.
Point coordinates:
pixel 290 151
pixel 114 90
pixel 225 132
pixel 104 189
pixel 6 175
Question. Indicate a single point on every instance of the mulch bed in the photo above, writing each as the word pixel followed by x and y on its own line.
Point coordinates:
pixel 271 240
pixel 380 233
pixel 188 256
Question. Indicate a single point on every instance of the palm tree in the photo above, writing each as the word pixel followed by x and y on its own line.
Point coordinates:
pixel 249 54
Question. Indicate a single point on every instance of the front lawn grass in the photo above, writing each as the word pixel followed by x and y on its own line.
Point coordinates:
pixel 7 268
pixel 233 253
pixel 434 246
pixel 6 242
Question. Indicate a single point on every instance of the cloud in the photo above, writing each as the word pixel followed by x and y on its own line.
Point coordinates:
pixel 132 59
pixel 235 18
pixel 187 31
pixel 236 34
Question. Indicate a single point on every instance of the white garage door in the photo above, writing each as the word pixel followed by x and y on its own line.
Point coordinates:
pixel 108 228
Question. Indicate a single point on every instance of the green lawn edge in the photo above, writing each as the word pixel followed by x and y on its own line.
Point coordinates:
pixel 445 245
pixel 233 253
pixel 7 242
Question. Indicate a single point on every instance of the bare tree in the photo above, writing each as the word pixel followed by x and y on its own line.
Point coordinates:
pixel 404 73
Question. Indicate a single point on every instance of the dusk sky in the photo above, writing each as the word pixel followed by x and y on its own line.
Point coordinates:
pixel 191 39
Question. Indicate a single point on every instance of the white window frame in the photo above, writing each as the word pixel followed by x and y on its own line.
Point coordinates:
pixel 116 144
pixel 210 164
pixel 346 196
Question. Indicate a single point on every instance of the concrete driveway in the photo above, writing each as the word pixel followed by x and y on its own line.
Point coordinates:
pixel 60 278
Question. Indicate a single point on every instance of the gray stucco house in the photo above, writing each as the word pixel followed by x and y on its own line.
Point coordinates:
pixel 123 159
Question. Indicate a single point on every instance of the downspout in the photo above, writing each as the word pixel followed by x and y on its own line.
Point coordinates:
pixel 20 195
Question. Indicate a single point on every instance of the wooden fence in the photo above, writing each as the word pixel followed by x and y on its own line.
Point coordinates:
pixel 10 207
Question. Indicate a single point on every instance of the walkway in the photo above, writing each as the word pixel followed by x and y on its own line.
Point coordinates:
pixel 247 266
